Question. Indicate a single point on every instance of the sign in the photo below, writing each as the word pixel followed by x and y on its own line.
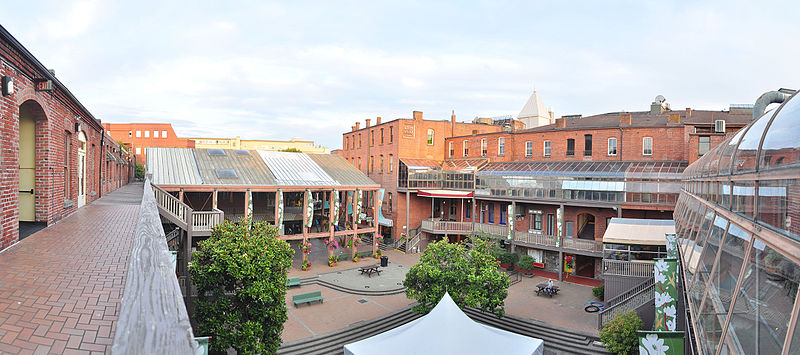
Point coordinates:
pixel 666 293
pixel 43 85
pixel 408 131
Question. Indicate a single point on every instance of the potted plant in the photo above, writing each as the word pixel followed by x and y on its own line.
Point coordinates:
pixel 306 265
pixel 377 254
pixel 305 248
pixel 355 258
pixel 332 260
pixel 526 265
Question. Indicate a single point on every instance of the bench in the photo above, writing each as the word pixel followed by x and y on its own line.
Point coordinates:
pixel 307 297
pixel 293 281
pixel 544 290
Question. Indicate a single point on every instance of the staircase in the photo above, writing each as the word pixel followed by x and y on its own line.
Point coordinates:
pixel 196 223
pixel 638 296
pixel 556 340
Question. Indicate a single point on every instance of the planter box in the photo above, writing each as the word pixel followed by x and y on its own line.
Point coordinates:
pixel 505 265
pixel 539 265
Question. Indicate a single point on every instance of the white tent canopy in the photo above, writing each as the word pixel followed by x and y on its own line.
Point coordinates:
pixel 446 330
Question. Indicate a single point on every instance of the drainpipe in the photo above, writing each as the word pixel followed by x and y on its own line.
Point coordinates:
pixel 770 97
pixel 100 177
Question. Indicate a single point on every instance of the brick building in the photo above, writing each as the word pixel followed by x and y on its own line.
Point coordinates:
pixel 56 156
pixel 561 183
pixel 138 136
pixel 259 144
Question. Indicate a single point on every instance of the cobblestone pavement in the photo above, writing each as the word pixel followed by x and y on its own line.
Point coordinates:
pixel 60 288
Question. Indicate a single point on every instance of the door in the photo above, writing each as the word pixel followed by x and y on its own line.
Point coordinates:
pixel 27 168
pixel 551 222
pixel 82 170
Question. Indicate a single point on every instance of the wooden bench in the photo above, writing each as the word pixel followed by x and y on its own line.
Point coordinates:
pixel 293 281
pixel 307 297
pixel 544 290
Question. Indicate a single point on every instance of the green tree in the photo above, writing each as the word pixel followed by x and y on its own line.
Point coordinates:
pixel 240 274
pixel 139 172
pixel 291 150
pixel 620 336
pixel 471 277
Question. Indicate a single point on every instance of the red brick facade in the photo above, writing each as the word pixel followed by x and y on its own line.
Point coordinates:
pixel 138 136
pixel 59 119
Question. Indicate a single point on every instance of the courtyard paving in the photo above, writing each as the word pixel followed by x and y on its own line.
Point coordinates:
pixel 341 309
pixel 60 288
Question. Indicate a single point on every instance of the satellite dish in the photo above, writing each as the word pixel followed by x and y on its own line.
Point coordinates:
pixel 660 99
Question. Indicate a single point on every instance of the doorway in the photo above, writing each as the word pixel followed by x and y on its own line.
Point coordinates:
pixel 27 165
pixel 586 226
pixel 81 169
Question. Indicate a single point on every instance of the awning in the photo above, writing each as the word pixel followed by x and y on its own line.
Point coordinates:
pixel 635 231
pixel 385 222
pixel 444 193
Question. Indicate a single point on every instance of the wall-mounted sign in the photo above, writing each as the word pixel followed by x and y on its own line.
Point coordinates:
pixel 408 131
pixel 43 84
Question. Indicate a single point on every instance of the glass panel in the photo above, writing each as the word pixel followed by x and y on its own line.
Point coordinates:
pixel 781 146
pixel 695 248
pixel 709 326
pixel 744 198
pixel 708 255
pixel 724 278
pixel 729 148
pixel 745 159
pixel 794 347
pixel 778 200
pixel 764 303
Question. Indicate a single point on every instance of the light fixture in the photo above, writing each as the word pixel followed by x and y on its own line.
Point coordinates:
pixel 8 85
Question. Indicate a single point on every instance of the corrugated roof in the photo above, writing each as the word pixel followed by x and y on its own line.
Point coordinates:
pixel 295 169
pixel 172 166
pixel 341 170
pixel 249 169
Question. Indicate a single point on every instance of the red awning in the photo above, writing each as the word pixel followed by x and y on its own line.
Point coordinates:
pixel 444 193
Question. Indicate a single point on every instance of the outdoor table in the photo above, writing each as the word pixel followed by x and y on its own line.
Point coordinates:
pixel 370 269
pixel 543 289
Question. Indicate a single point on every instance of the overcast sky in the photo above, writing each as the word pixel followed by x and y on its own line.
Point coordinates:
pixel 310 69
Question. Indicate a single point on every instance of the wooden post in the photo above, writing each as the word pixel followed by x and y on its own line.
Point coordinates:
pixel 214 199
pixel 247 203
pixel 331 223
pixel 511 215
pixel 355 225
pixel 180 194
pixel 375 220
pixel 474 212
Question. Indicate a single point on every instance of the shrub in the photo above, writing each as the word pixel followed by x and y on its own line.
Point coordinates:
pixel 139 172
pixel 509 258
pixel 599 292
pixel 240 274
pixel 619 335
pixel 526 262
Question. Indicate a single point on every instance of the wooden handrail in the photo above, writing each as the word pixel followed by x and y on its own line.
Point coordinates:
pixel 153 317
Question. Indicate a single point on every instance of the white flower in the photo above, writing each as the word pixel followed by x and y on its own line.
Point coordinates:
pixel 662 299
pixel 659 276
pixel 661 265
pixel 670 311
pixel 671 325
pixel 653 345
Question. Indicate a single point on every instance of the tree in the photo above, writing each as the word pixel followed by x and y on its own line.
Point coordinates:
pixel 620 335
pixel 291 150
pixel 240 274
pixel 139 172
pixel 471 277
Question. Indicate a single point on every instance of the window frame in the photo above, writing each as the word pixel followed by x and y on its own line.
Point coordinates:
pixel 163 134
pixel 501 146
pixel 644 146
pixel 381 138
pixel 570 153
pixel 484 147
pixel 608 147
pixel 450 149
pixel 391 134
pixel 431 136
pixel 465 149
pixel 138 134
pixel 547 147
pixel 528 149
pixel 587 145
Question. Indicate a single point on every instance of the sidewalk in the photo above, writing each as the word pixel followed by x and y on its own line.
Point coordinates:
pixel 60 288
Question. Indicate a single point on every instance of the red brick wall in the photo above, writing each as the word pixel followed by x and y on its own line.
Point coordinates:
pixel 55 114
pixel 126 133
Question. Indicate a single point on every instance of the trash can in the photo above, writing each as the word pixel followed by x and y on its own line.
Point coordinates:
pixel 384 261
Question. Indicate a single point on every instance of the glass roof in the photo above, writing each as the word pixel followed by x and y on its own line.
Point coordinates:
pixel 599 169
pixel 216 152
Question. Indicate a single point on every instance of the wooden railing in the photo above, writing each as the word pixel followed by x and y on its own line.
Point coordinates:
pixel 534 238
pixel 492 229
pixel 206 220
pixel 583 244
pixel 171 204
pixel 152 316
pixel 627 268
pixel 436 225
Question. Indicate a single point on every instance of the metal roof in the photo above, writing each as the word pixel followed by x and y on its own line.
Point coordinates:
pixel 295 169
pixel 421 163
pixel 172 166
pixel 341 170
pixel 248 169
pixel 581 169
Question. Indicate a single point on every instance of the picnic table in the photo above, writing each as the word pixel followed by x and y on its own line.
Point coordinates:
pixel 370 269
pixel 553 290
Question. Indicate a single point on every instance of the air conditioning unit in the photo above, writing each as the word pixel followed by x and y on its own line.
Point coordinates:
pixel 719 126
pixel 535 231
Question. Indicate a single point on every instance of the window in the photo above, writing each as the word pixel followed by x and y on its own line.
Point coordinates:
pixel 381 136
pixel 587 145
pixel 389 202
pixel 67 162
pixel 483 147
pixel 155 134
pixel 719 126
pixel 130 133
pixel 468 209
pixel 528 149
pixel 551 223
pixel 502 216
pixel 138 150
pixel 612 147
pixel 163 134
pixel 546 148
pixel 359 140
pixel 371 165
pixel 490 212
pixel 359 163
pixel 147 134
pixel 705 145
pixel 372 137
pixel 569 229
pixel 430 136
pixel 138 134
pixel 346 143
pixel 450 148
pixel 501 146
pixel 466 148
pixel 570 147
pixel 391 134
pixel 537 221
pixel 391 163
pixel 381 168
pixel 647 146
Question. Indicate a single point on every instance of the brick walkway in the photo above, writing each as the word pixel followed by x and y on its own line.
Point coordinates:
pixel 61 287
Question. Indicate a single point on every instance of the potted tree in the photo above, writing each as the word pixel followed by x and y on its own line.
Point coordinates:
pixel 526 265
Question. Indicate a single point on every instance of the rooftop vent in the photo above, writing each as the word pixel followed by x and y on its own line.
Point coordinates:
pixel 226 174
pixel 216 152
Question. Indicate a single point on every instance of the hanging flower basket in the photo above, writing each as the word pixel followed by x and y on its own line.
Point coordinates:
pixel 306 265
pixel 332 244
pixel 332 261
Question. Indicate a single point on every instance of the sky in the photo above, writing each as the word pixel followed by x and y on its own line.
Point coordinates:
pixel 311 69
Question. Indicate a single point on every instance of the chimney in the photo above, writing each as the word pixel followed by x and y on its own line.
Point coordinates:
pixel 688 112
pixel 417 115
pixel 368 120
pixel 624 119
pixel 353 128
pixel 561 122
pixel 358 126
pixel 674 118
pixel 453 124
pixel 378 120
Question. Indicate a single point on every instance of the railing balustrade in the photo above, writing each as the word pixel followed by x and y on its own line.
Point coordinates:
pixel 583 244
pixel 535 238
pixel 627 268
pixel 633 302
pixel 492 229
pixel 206 220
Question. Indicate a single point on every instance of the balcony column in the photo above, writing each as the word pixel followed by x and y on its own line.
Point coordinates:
pixel 474 212
pixel 355 225
pixel 376 208
pixel 619 211
pixel 510 224
pixel 408 202
pixel 561 226
pixel 248 196
pixel 180 194
pixel 214 199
